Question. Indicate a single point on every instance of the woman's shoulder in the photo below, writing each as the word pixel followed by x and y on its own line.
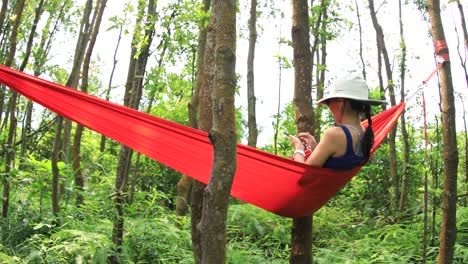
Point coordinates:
pixel 333 132
pixel 334 135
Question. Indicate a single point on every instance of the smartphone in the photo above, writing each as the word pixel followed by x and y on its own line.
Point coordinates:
pixel 303 143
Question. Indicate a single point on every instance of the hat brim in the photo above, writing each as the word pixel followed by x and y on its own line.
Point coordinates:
pixel 366 101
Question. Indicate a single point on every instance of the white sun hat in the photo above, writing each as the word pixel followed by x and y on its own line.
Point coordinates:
pixel 351 87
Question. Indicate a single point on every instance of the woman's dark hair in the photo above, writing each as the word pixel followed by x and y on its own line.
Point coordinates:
pixel 368 138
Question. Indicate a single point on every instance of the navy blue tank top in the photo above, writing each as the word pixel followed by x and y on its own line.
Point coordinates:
pixel 350 159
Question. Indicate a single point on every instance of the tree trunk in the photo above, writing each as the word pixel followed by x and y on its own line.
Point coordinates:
pixel 222 135
pixel 392 134
pixel 435 184
pixel 3 14
pixel 463 23
pixel 404 133
pixel 301 237
pixel 185 182
pixel 76 149
pixel 465 37
pixel 56 146
pixel 73 79
pixel 321 60
pixel 48 35
pixel 252 120
pixel 206 81
pixel 133 93
pixel 448 231
pixel 111 78
pixel 466 154
pixel 363 64
pixel 424 253
pixel 10 154
pixel 26 128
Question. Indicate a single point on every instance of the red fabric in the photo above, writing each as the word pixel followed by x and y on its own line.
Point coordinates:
pixel 274 183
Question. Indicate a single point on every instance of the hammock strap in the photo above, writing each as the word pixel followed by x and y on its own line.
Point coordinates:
pixel 441 52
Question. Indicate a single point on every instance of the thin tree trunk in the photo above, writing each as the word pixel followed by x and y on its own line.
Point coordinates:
pixel 206 77
pixel 40 59
pixel 125 154
pixel 3 14
pixel 74 78
pixel 301 237
pixel 448 231
pixel 463 23
pixel 278 105
pixel 131 195
pixel 76 149
pixel 27 54
pixel 164 44
pixel 111 78
pixel 252 120
pixel 424 253
pixel 392 134
pixel 435 183
pixel 404 133
pixel 465 47
pixel 322 54
pixel 222 135
pixel 133 93
pixel 58 148
pixel 10 155
pixel 26 128
pixel 466 153
pixel 185 182
pixel 363 64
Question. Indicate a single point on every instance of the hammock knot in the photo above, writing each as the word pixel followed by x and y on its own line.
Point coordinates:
pixel 441 50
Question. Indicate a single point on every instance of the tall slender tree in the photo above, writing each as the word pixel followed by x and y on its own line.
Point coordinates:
pixel 3 12
pixel 252 120
pixel 10 155
pixel 75 75
pixel 72 81
pixel 361 57
pixel 463 23
pixel 301 237
pixel 206 78
pixel 466 150
pixel 185 182
pixel 144 30
pixel 448 231
pixel 383 53
pixel 29 45
pixel 76 149
pixel 404 133
pixel 222 135
pixel 319 48
pixel 162 47
pixel 465 38
pixel 120 24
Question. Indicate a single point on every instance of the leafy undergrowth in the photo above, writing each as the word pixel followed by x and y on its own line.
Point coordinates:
pixel 254 236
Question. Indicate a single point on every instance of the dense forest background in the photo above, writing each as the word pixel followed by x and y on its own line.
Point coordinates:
pixel 71 195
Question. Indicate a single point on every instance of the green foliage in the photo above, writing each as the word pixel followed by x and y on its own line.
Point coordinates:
pixel 173 245
pixel 70 245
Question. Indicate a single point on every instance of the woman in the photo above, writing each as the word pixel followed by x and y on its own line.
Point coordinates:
pixel 346 145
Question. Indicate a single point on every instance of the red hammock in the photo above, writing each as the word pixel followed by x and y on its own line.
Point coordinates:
pixel 279 185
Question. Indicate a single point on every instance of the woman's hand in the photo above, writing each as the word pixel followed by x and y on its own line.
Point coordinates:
pixel 308 140
pixel 296 143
